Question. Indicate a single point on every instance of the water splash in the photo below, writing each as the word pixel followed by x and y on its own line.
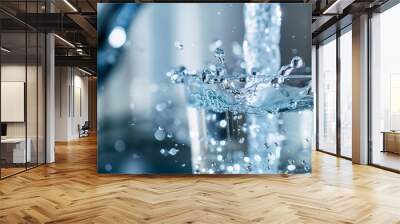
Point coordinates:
pixel 219 88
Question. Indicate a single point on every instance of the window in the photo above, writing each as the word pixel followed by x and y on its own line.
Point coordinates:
pixel 385 89
pixel 346 93
pixel 327 96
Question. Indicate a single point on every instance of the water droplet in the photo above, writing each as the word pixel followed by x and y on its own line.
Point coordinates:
pixel 178 45
pixel 212 141
pixel 246 159
pixel 117 37
pixel 219 157
pixel 214 45
pixel 220 55
pixel 159 134
pixel 161 106
pixel 257 158
pixel 219 149
pixel 229 169
pixel 119 146
pixel 173 151
pixel 108 167
pixel 241 140
pixel 237 49
pixel 163 152
pixel 211 171
pixel 236 167
pixel 223 123
pixel 296 62
pixel 291 167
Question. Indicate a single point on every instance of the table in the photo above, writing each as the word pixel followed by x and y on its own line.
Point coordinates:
pixel 16 147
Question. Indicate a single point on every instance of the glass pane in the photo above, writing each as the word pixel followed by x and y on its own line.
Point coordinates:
pixel 31 97
pixel 346 94
pixel 41 99
pixel 385 89
pixel 314 87
pixel 13 88
pixel 327 97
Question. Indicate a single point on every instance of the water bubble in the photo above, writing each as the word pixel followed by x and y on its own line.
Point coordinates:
pixel 257 158
pixel 177 75
pixel 254 129
pixel 219 149
pixel 215 44
pixel 246 159
pixel 229 169
pixel 219 157
pixel 237 49
pixel 159 134
pixel 169 135
pixel 117 37
pixel 161 106
pixel 119 146
pixel 108 167
pixel 212 141
pixel 296 62
pixel 178 45
pixel 135 156
pixel 291 167
pixel 241 140
pixel 222 142
pixel 163 151
pixel 183 165
pixel 211 171
pixel 173 151
pixel 236 167
pixel 223 123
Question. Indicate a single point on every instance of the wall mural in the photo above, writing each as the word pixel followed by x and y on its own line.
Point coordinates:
pixel 204 88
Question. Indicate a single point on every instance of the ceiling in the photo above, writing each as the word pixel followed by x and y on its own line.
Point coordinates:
pixel 74 22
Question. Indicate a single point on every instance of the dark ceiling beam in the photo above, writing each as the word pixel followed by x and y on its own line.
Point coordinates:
pixel 86 26
pixel 80 61
pixel 91 5
pixel 49 22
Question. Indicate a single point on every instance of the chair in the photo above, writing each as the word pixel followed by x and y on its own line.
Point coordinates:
pixel 84 130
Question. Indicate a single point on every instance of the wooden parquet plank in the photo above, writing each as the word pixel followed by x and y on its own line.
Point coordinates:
pixel 70 191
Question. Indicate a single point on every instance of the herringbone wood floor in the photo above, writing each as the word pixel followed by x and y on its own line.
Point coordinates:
pixel 70 191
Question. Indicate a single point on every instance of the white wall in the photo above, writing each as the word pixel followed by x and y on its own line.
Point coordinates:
pixel 70 84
